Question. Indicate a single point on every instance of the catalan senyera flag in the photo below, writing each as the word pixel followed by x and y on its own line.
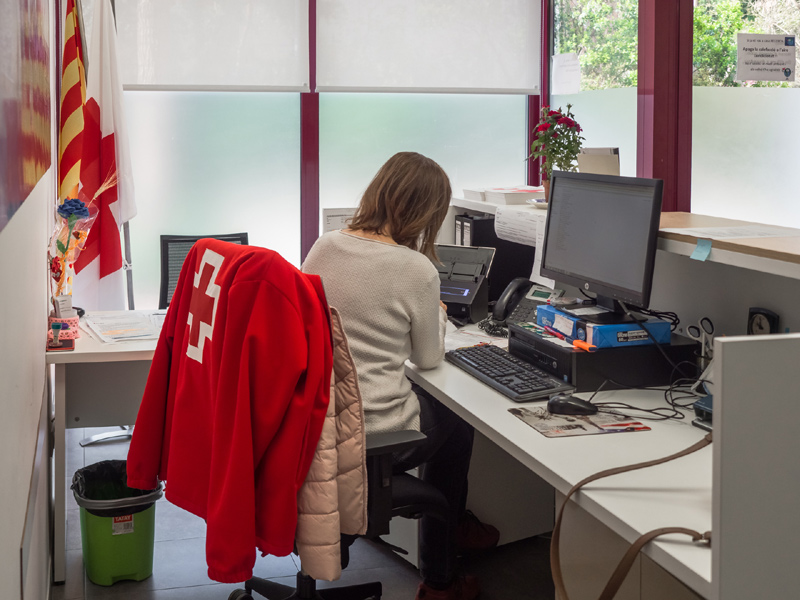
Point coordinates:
pixel 105 172
pixel 73 96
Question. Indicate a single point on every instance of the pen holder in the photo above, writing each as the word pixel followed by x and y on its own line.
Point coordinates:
pixel 703 361
pixel 70 333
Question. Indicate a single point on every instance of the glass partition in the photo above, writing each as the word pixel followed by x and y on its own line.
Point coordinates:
pixel 212 162
pixel 479 140
pixel 604 36
pixel 608 119
pixel 743 132
pixel 744 155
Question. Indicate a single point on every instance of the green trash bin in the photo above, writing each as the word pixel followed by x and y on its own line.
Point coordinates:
pixel 117 523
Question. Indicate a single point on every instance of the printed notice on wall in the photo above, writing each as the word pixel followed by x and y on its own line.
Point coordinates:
pixel 765 57
pixel 517 224
pixel 566 75
pixel 525 226
pixel 336 218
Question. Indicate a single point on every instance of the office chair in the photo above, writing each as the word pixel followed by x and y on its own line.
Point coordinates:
pixel 388 495
pixel 174 249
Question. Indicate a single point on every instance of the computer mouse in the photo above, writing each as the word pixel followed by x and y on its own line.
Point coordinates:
pixel 567 404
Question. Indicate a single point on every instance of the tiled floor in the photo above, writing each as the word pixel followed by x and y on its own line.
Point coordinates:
pixel 514 571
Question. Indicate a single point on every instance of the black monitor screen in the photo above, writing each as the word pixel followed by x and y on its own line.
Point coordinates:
pixel 601 235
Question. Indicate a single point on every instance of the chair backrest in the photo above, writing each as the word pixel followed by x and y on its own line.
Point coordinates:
pixel 174 249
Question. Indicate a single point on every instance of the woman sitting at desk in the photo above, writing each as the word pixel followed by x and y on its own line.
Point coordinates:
pixel 378 273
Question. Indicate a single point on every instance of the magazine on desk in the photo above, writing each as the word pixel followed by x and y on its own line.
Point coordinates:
pixel 552 426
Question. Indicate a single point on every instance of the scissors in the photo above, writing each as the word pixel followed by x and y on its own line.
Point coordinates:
pixel 703 332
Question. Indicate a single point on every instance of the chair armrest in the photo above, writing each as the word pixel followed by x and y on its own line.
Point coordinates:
pixel 380 447
pixel 393 441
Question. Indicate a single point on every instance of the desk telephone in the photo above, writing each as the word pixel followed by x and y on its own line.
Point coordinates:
pixel 519 300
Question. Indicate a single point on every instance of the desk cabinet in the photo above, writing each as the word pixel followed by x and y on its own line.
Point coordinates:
pixel 103 394
pixel 590 552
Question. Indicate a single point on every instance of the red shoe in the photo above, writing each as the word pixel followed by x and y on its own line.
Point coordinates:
pixel 463 588
pixel 473 535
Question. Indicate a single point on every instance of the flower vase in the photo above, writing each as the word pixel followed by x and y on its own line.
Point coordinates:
pixel 546 184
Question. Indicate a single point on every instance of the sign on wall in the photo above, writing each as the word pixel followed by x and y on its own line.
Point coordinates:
pixel 765 57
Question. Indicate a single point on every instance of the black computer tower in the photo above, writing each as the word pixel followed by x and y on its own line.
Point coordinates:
pixel 510 259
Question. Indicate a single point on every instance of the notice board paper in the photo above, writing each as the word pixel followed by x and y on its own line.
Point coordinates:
pixel 517 224
pixel 525 226
pixel 765 57
pixel 336 218
pixel 566 75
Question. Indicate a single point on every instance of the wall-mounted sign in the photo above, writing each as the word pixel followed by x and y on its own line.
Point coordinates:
pixel 565 74
pixel 765 57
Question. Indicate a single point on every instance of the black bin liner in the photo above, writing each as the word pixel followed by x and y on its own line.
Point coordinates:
pixel 102 489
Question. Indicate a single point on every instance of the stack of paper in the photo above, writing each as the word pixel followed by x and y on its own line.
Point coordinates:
pixel 514 195
pixel 474 194
pixel 122 326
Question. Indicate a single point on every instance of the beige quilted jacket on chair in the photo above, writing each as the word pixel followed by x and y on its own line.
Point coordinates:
pixel 333 498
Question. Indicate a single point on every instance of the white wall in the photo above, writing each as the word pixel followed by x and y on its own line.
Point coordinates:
pixel 23 327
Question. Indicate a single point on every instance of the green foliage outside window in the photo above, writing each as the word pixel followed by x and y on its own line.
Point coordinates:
pixel 716 23
pixel 604 33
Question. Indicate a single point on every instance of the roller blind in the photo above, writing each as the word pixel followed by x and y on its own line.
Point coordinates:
pixel 428 45
pixel 213 44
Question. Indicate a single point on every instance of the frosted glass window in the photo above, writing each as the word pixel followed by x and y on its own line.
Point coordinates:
pixel 212 162
pixel 608 119
pixel 208 44
pixel 744 155
pixel 479 140
pixel 430 45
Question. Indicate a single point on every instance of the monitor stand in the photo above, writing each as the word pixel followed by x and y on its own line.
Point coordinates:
pixel 613 315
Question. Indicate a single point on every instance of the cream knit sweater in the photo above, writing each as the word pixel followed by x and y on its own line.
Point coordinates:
pixel 388 297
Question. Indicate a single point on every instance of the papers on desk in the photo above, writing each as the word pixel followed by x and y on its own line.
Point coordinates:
pixel 157 319
pixel 462 338
pixel 123 326
pixel 553 426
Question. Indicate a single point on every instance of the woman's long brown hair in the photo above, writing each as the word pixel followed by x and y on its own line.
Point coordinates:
pixel 408 199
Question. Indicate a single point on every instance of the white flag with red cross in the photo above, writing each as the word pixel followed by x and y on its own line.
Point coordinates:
pixel 105 173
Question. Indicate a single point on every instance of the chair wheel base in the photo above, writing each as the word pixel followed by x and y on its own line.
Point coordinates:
pixel 240 595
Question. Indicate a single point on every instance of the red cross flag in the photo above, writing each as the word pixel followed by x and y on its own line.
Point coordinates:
pixel 105 177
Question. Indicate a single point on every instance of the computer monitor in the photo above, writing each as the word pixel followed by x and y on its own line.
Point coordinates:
pixel 601 237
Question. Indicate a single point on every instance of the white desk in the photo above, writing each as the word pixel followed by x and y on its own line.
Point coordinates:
pixel 102 384
pixel 94 385
pixel 677 493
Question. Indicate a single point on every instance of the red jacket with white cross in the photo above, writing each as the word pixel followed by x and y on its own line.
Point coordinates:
pixel 235 400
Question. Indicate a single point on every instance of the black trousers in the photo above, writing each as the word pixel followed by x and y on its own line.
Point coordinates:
pixel 444 463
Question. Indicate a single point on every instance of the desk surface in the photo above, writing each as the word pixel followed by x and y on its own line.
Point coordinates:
pixel 677 493
pixel 90 350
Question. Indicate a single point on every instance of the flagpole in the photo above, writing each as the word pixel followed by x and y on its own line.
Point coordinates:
pixel 126 233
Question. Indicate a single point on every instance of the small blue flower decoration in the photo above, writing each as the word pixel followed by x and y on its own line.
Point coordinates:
pixel 73 206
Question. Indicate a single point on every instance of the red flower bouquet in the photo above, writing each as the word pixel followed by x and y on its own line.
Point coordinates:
pixel 558 140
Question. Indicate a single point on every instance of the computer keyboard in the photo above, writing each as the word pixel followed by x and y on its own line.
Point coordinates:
pixel 509 375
